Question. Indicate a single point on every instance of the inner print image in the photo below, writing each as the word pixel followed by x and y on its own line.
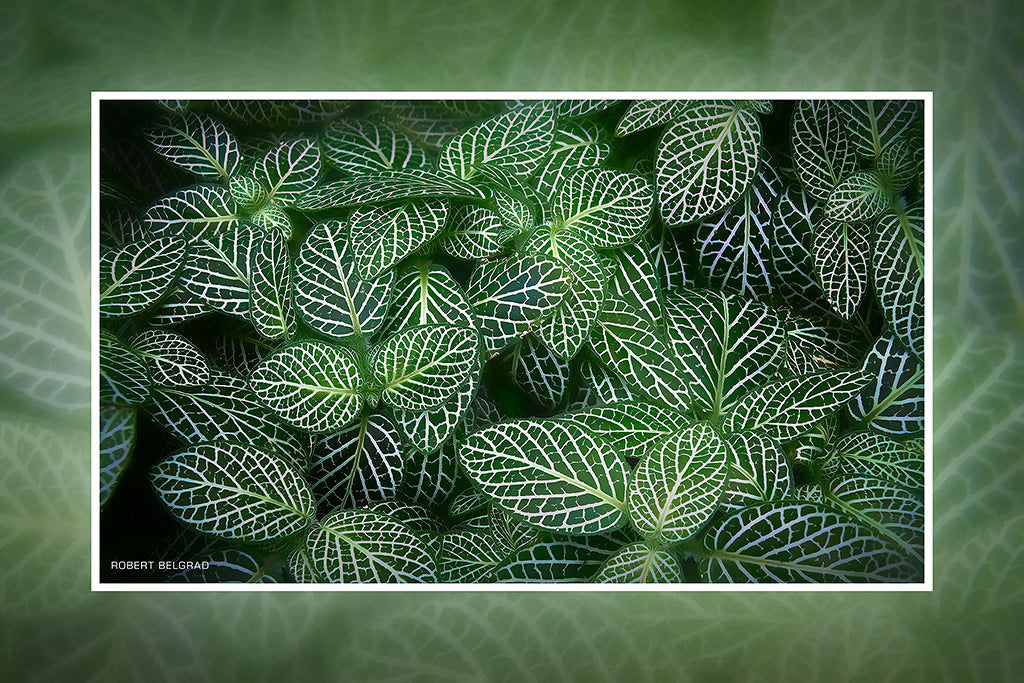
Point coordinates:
pixel 448 341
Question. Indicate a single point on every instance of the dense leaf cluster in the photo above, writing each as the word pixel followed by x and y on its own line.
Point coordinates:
pixel 457 341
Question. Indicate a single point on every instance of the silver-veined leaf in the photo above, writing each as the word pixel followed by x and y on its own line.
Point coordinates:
pixel 197 211
pixel 271 310
pixel 568 327
pixel 289 170
pixel 792 242
pixel 552 474
pixel 178 306
pixel 670 251
pixel 815 344
pixel 644 114
pixel 474 232
pixel 758 471
pixel 875 124
pixel 416 517
pixel 358 465
pixel 217 270
pixel 117 441
pixel 431 123
pixel 124 376
pixel 511 297
pixel 735 252
pixel 331 297
pixel 199 144
pixel 516 141
pixel 539 372
pixel 877 456
pixel 726 345
pixel 358 146
pixel 225 566
pixel 382 236
pixel 470 556
pixel 842 253
pixel 893 402
pixel 301 567
pixel 135 276
pixel 898 260
pixel 426 294
pixel 634 280
pixel 223 410
pixel 577 144
pixel 422 367
pixel 786 408
pixel 388 186
pixel 606 208
pixel 312 385
pixel 426 430
pixel 172 358
pixel 811 448
pixel 900 162
pixel 568 109
pixel 597 385
pixel 706 160
pixel 554 561
pixel 235 491
pixel 511 531
pixel 248 192
pixel 894 512
pixel 361 546
pixel 631 346
pixel 821 148
pixel 798 542
pixel 430 477
pixel 630 427
pixel 272 217
pixel 858 198
pixel 678 484
pixel 640 563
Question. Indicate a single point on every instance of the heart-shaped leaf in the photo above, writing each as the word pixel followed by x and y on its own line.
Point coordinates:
pixel 897 257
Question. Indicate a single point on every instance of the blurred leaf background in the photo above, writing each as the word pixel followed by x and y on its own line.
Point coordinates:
pixel 969 53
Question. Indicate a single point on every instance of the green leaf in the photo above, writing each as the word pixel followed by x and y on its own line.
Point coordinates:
pixel 567 109
pixel 577 144
pixel 634 280
pixel 172 359
pixel 792 259
pixel 422 367
pixel 706 160
pixel 678 484
pixel 893 401
pixel 786 408
pixel 426 294
pixel 631 346
pixel 539 372
pixel 312 385
pixel 426 430
pixel 135 276
pixel 270 288
pixel 360 546
pixel 124 376
pixel 815 344
pixel 430 476
pixel 570 323
pixel 178 306
pixel 860 197
pixel 470 556
pixel 289 170
pixel 388 186
pixel 217 270
pixel 644 114
pixel 596 385
pixel 606 208
pixel 382 236
pixel 735 252
pixel 876 456
pixel 198 211
pixel 758 471
pixel 511 297
pixel 798 542
pixel 358 465
pixel 223 410
pixel 897 257
pixel 821 147
pixel 515 141
pixel 248 192
pixel 553 561
pixel 553 474
pixel 118 432
pixel 273 217
pixel 640 563
pixel 235 491
pixel 630 427
pixel 199 144
pixel 874 124
pixel 894 512
pixel 841 259
pixel 475 232
pixel 358 146
pixel 226 566
pixel 331 297
pixel 726 345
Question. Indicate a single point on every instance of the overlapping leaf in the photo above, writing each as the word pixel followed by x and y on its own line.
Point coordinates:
pixel 426 294
pixel 217 270
pixel 821 148
pixel 815 344
pixel 606 208
pixel 791 238
pixel 897 257
pixel 172 359
pixel 197 211
pixel 874 124
pixel 475 232
pixel 858 198
pixel 842 254
pixel 577 144
pixel 358 465
pixel 382 236
pixel 422 367
pixel 271 310
pixel 516 141
pixel 786 408
pixel 118 432
pixel 553 561
pixel 758 471
pixel 706 160
pixel 358 146
pixel 199 144
pixel 640 563
pixel 643 114
pixel 538 371
pixel 470 556
pixel 135 276
pixel 235 491
pixel 359 546
pixel 553 474
pixel 877 456
pixel 678 484
pixel 893 401
pixel 124 377
pixel 798 542
pixel 290 170
pixel 329 294
pixel 630 427
pixel 387 186
pixel 896 513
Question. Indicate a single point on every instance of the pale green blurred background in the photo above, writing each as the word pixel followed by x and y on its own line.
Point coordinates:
pixel 969 53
